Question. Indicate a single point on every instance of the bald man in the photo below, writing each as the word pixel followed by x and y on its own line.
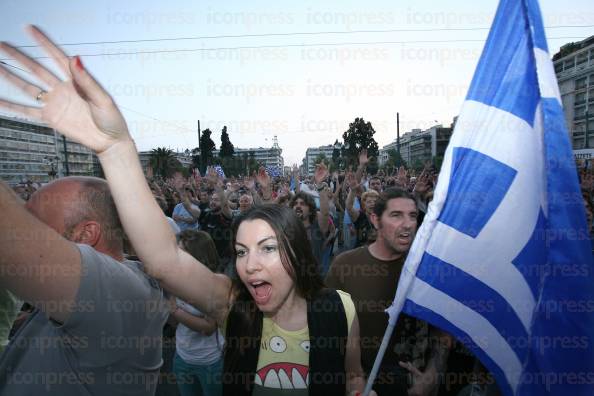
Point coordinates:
pixel 97 326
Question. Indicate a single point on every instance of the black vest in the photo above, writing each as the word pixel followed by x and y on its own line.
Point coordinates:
pixel 328 332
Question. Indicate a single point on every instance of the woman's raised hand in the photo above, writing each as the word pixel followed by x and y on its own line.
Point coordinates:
pixel 77 107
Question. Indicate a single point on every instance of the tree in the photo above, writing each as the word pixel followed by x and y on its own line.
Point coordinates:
pixel 230 164
pixel 394 160
pixel 418 165
pixel 253 165
pixel 244 164
pixel 227 149
pixel 437 162
pixel 163 162
pixel 206 148
pixel 321 158
pixel 359 136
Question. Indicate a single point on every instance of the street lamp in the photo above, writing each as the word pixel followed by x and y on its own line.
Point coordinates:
pixel 343 148
pixel 586 132
pixel 338 147
pixel 53 164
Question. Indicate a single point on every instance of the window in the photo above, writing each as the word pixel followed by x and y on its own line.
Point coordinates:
pixel 580 83
pixel 581 110
pixel 579 128
pixel 580 113
pixel 580 98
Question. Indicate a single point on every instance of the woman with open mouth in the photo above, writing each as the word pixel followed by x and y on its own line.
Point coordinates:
pixel 284 330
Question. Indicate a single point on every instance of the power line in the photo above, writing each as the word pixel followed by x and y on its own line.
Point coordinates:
pixel 288 34
pixel 284 46
pixel 180 127
pixel 124 107
pixel 188 130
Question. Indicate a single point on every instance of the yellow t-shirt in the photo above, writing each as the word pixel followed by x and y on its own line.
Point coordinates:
pixel 283 362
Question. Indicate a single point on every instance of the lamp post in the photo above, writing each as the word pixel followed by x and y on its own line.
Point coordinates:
pixel 52 162
pixel 338 148
pixel 343 157
pixel 586 132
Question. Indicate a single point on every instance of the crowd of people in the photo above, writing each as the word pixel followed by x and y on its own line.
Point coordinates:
pixel 274 286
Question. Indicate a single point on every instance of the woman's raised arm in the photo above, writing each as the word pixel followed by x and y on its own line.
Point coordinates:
pixel 79 108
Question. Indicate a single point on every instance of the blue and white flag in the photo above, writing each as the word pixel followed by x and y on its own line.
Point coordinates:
pixel 503 260
pixel 219 170
pixel 273 171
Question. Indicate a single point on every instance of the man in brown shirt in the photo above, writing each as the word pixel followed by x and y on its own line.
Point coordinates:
pixel 370 274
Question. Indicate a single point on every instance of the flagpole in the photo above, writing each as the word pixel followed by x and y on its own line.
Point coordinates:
pixel 402 290
pixel 378 359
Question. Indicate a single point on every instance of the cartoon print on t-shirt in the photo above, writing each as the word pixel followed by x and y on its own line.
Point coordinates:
pixel 281 373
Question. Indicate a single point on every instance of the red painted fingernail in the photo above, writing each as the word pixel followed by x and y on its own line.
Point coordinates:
pixel 78 63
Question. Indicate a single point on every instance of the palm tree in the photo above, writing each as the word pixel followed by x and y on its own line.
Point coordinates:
pixel 163 162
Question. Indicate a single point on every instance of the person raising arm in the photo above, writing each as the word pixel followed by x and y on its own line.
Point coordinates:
pixel 82 110
pixel 279 291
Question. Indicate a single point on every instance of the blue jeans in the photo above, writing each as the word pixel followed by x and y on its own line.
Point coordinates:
pixel 195 380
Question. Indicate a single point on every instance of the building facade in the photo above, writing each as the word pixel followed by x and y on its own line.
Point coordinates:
pixel 31 151
pixel 265 156
pixel 310 157
pixel 76 159
pixel 574 67
pixel 419 146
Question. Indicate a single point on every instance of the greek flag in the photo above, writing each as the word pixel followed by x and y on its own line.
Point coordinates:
pixel 503 260
pixel 219 170
pixel 273 171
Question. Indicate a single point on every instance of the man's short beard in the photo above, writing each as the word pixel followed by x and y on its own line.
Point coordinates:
pixel 396 250
pixel 388 244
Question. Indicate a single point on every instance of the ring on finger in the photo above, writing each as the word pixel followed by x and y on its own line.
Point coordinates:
pixel 40 95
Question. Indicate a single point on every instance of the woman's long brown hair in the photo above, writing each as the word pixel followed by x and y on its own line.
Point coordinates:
pixel 296 257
